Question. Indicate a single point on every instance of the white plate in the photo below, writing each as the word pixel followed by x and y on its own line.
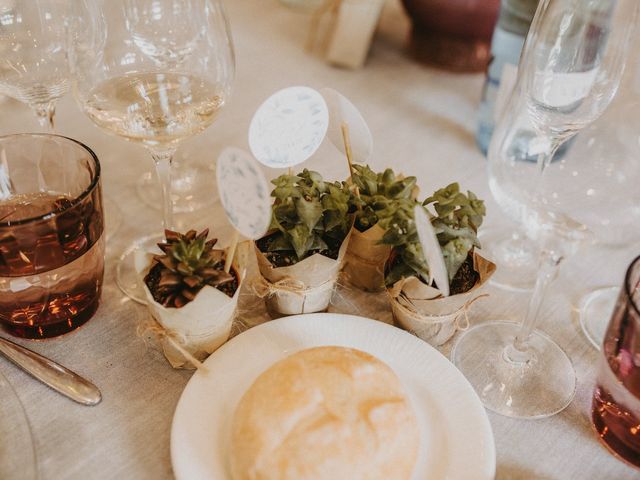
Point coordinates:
pixel 456 438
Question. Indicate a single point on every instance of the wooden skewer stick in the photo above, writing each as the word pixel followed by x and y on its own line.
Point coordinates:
pixel 290 172
pixel 347 148
pixel 231 252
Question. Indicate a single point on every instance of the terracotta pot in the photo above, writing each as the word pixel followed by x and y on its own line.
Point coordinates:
pixel 453 34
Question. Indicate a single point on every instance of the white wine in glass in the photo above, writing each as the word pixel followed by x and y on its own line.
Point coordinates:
pixel 155 108
pixel 154 72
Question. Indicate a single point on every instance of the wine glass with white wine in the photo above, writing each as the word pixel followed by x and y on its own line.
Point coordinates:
pixel 154 72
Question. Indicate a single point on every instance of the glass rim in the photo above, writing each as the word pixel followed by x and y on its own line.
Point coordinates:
pixel 627 281
pixel 95 178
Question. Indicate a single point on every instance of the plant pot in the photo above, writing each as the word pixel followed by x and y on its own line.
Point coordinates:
pixel 305 287
pixel 202 325
pixel 452 34
pixel 423 311
pixel 365 259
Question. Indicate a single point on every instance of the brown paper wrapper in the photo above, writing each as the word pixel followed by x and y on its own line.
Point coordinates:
pixel 202 325
pixel 365 259
pixel 305 287
pixel 422 310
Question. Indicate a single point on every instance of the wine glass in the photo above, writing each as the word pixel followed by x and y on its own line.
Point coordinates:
pixel 154 72
pixel 612 146
pixel 570 70
pixel 33 54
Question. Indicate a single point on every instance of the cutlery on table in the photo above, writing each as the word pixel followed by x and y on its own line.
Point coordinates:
pixel 52 374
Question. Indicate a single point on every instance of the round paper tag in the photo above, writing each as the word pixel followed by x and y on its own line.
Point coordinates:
pixel 244 193
pixel 342 111
pixel 289 127
pixel 431 249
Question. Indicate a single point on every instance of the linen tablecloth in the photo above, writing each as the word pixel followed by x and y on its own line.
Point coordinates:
pixel 423 121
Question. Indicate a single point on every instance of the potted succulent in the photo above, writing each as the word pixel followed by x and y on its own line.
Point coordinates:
pixel 303 252
pixel 190 295
pixel 417 303
pixel 373 207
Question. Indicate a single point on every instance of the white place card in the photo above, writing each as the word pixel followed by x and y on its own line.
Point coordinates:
pixel 342 111
pixel 289 127
pixel 244 193
pixel 431 249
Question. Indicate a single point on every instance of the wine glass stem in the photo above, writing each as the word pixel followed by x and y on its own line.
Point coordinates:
pixel 163 160
pixel 46 113
pixel 547 271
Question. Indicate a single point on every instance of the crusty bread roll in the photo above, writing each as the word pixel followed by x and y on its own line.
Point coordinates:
pixel 329 413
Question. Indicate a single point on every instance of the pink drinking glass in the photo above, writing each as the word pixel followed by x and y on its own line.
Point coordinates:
pixel 616 400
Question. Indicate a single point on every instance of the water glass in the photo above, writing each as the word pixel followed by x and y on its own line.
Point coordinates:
pixel 51 242
pixel 616 400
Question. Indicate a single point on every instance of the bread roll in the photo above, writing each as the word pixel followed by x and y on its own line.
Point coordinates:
pixel 329 413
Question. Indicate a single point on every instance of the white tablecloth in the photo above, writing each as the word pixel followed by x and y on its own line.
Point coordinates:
pixel 423 122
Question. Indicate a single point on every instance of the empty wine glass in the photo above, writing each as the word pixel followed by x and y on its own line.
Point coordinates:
pixel 33 54
pixel 153 72
pixel 612 145
pixel 571 68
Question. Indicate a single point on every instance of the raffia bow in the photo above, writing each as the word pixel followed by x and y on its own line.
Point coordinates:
pixel 174 338
pixel 263 288
pixel 457 317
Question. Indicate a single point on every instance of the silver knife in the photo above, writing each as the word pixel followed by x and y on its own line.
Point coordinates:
pixel 51 373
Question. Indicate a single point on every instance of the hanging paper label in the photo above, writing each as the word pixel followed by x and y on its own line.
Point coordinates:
pixel 289 127
pixel 244 193
pixel 342 111
pixel 431 250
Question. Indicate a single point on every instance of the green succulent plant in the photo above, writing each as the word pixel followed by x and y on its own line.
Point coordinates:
pixel 457 218
pixel 309 215
pixel 188 263
pixel 378 195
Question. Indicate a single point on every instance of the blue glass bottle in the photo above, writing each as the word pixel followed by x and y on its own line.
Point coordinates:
pixel 508 39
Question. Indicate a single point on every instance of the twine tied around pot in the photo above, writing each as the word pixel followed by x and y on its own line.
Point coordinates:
pixel 460 317
pixel 263 288
pixel 174 338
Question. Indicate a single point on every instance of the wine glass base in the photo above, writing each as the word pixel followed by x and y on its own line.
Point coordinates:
pixel 515 256
pixel 539 388
pixel 595 310
pixel 193 188
pixel 127 278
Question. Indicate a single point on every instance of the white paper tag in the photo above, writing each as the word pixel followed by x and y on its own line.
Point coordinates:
pixel 431 249
pixel 289 127
pixel 342 111
pixel 244 193
pixel 563 89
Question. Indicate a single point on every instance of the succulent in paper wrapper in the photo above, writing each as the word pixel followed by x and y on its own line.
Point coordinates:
pixel 416 305
pixel 188 263
pixel 306 243
pixel 196 310
pixel 379 196
pixel 309 215
pixel 458 217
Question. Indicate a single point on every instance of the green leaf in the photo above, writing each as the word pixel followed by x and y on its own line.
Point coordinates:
pixel 309 211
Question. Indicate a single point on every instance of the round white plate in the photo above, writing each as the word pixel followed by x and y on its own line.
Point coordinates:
pixel 456 438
